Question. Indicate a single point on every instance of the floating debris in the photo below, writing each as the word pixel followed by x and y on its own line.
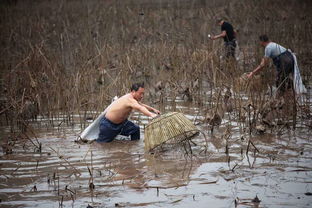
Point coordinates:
pixel 256 200
pixel 91 186
pixel 260 129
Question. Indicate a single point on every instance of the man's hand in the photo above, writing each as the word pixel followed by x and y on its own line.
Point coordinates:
pixel 214 37
pixel 250 75
pixel 154 115
pixel 264 62
pixel 156 111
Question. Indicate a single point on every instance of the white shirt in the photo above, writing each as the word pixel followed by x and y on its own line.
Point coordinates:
pixel 272 50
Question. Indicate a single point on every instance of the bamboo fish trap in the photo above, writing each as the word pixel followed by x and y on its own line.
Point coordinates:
pixel 168 129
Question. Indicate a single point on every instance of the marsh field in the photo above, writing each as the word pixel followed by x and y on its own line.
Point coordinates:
pixel 62 62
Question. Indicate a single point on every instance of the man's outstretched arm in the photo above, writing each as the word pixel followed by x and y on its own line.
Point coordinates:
pixel 221 35
pixel 263 63
pixel 143 109
pixel 150 108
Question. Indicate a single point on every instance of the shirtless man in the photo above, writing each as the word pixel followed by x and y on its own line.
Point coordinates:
pixel 115 122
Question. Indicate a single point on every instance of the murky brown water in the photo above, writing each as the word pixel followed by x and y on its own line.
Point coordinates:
pixel 280 175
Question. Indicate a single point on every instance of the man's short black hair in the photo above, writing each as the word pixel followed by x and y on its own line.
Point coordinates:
pixel 219 19
pixel 136 86
pixel 263 38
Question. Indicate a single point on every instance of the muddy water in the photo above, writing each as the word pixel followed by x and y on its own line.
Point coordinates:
pixel 280 174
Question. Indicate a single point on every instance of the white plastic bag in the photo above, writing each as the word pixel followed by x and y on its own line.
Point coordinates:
pixel 298 85
pixel 93 130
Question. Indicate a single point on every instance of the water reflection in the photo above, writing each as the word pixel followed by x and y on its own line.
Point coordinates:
pixel 279 173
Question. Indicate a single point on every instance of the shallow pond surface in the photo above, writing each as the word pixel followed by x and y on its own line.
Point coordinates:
pixel 124 175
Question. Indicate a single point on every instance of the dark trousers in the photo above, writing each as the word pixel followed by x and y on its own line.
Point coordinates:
pixel 285 66
pixel 230 48
pixel 109 130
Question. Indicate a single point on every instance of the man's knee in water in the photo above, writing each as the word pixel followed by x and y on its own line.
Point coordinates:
pixel 104 139
pixel 136 133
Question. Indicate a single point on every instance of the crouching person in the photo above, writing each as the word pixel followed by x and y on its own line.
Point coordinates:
pixel 115 121
pixel 282 59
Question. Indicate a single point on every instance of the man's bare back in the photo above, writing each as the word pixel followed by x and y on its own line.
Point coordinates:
pixel 121 108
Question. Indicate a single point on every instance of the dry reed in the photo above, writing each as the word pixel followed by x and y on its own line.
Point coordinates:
pixel 72 58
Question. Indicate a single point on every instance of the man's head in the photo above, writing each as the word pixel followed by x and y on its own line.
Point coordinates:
pixel 137 91
pixel 264 40
pixel 219 21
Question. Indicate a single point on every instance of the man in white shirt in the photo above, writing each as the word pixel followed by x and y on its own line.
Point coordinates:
pixel 283 61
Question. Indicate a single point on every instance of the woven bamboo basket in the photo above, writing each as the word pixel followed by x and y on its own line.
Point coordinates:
pixel 168 129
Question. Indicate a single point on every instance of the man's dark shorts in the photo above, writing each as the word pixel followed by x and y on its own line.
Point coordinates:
pixel 109 130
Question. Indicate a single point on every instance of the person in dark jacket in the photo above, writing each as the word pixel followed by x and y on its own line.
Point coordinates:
pixel 228 34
